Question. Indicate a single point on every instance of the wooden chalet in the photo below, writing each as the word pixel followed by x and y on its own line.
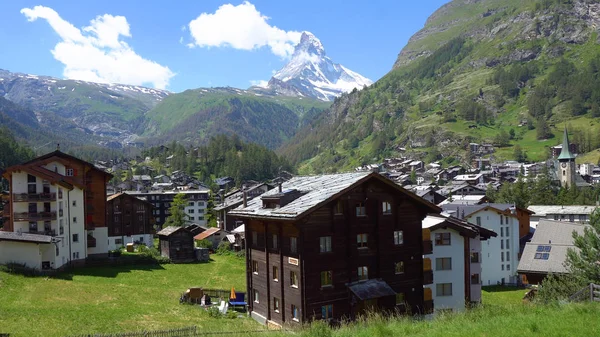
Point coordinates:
pixel 177 243
pixel 334 246
pixel 129 216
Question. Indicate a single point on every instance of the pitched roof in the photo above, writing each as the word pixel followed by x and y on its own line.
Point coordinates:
pixel 63 155
pixel 167 231
pixel 206 233
pixel 434 222
pixel 556 234
pixel 542 210
pixel 565 152
pixel 125 195
pixel 314 191
pixel 25 237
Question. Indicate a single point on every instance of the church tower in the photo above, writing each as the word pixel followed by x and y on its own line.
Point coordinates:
pixel 566 163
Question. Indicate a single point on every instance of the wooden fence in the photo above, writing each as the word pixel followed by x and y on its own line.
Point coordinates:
pixel 181 332
pixel 588 293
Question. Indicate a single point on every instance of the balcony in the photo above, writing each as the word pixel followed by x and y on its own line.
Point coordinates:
pixel 427 271
pixel 26 197
pixel 427 244
pixel 35 216
pixel 48 232
pixel 427 300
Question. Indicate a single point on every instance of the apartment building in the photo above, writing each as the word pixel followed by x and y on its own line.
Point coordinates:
pixel 197 202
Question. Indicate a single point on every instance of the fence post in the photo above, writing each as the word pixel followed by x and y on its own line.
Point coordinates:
pixel 591 292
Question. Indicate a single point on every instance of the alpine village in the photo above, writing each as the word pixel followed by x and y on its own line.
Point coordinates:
pixel 456 195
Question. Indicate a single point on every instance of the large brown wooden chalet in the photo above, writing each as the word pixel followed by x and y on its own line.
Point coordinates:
pixel 128 216
pixel 334 246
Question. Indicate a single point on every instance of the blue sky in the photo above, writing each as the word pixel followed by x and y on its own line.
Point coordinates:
pixel 232 44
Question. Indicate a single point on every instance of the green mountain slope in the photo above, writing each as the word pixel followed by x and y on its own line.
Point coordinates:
pixel 197 115
pixel 501 71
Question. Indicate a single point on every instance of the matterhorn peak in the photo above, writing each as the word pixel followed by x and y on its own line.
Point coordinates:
pixel 310 73
pixel 309 44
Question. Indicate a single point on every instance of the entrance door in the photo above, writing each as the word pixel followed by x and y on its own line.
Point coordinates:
pixel 367 306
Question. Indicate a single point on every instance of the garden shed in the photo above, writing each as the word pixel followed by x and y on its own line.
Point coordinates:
pixel 177 243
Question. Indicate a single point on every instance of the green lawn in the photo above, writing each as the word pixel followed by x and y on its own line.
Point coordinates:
pixel 117 299
pixel 131 298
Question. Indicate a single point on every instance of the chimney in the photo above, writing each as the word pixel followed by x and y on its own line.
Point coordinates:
pixel 280 189
pixel 245 198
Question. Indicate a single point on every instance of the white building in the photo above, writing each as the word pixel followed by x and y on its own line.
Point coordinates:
pixel 197 202
pixel 572 213
pixel 457 263
pixel 500 255
pixel 49 215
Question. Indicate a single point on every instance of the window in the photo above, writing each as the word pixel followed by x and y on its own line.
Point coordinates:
pixel 325 244
pixel 191 218
pixel 75 255
pixel 361 240
pixel 507 245
pixel 33 226
pixel 501 231
pixel 363 273
pixel 442 239
pixel 275 241
pixel 508 267
pixel 254 238
pixel 75 237
pixel 582 217
pixel 294 312
pixel 275 304
pixel 74 203
pixel 275 273
pixel 339 207
pixel 255 295
pixel 191 203
pixel 294 279
pixel 118 241
pixel 327 311
pixel 443 263
pixel 502 256
pixel 398 237
pixel 191 211
pixel 507 232
pixel 475 257
pixel 361 209
pixel 475 279
pixel 116 218
pixel 74 219
pixel 443 289
pixel 57 252
pixel 501 244
pixel 400 299
pixel 386 207
pixel 31 179
pixel 399 267
pixel 293 245
pixel 501 220
pixel 69 172
pixel 255 267
pixel 326 280
pixel 502 267
pixel 507 256
pixel 478 220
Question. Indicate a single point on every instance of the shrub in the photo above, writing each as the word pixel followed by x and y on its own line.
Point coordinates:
pixel 224 248
pixel 557 288
pixel 206 243
pixel 214 312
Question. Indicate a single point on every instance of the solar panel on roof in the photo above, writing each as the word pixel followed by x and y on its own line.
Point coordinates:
pixel 540 249
pixel 547 248
pixel 545 256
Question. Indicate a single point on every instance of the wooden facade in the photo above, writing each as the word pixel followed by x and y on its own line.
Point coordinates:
pixel 127 215
pixel 177 243
pixel 272 262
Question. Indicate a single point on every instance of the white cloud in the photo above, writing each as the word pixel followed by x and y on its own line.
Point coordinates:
pixel 241 27
pixel 259 83
pixel 96 53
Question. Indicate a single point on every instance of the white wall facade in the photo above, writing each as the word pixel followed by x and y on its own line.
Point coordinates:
pixel 101 236
pixel 196 212
pixel 455 276
pixel 26 253
pixel 498 263
pixel 116 242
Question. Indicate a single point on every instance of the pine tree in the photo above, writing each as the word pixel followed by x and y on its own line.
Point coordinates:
pixel 178 216
pixel 584 262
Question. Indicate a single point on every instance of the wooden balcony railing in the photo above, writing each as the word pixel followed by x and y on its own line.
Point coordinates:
pixel 17 197
pixel 48 232
pixel 427 271
pixel 37 216
pixel 427 244
pixel 427 300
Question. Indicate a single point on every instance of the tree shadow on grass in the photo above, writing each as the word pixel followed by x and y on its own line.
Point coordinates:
pixel 109 271
pixel 500 289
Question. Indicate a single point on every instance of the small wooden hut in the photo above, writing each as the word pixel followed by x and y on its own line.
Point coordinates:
pixel 177 243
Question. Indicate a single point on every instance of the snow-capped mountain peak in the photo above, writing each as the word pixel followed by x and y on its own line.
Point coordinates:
pixel 311 73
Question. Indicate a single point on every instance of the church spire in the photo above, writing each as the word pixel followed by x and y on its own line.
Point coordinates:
pixel 565 152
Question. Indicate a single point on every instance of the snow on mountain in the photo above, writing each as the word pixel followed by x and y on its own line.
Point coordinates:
pixel 310 73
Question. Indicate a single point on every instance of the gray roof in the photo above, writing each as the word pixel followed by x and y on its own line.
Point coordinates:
pixel 556 234
pixel 542 210
pixel 25 237
pixel 370 289
pixel 314 190
pixel 170 230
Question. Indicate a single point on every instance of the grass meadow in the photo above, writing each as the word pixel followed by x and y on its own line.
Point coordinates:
pixel 133 298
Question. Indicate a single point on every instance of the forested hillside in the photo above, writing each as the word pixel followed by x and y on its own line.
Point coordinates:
pixel 501 71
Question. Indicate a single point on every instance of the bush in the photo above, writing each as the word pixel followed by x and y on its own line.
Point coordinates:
pixel 214 312
pixel 152 253
pixel 206 243
pixel 20 269
pixel 556 288
pixel 224 248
